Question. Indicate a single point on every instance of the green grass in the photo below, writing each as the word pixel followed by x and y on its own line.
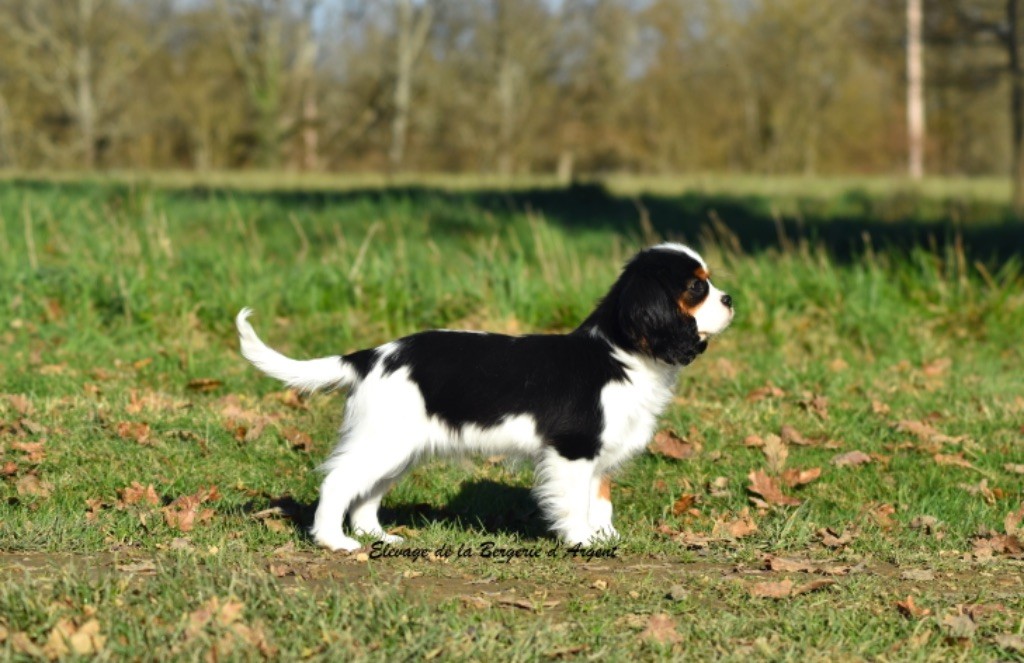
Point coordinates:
pixel 886 303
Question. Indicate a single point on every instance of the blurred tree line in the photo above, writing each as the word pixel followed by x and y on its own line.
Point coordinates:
pixel 505 86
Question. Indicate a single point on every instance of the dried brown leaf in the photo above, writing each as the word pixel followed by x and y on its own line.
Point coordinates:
pixel 832 539
pixel 851 459
pixel 908 608
pixel 956 460
pixel 768 488
pixel 794 477
pixel 667 443
pixel 31 485
pixel 683 504
pixel 772 590
pixel 135 431
pixel 734 528
pixel 298 439
pixel 815 404
pixel 775 452
pixel 661 628
pixel 136 493
pixel 1010 641
pixel 204 384
pixel 185 512
pixel 767 391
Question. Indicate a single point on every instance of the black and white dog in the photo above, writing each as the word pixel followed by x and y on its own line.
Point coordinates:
pixel 578 404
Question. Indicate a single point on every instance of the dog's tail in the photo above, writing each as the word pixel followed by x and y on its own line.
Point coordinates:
pixel 308 375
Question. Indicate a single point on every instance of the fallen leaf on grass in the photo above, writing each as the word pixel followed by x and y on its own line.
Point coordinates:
pixel 735 528
pixel 878 407
pixel 786 588
pixel 298 439
pixel 767 391
pixel 478 602
pixel 959 627
pixel 790 565
pixel 9 469
pixel 661 628
pixel 19 403
pixel 937 367
pixel 136 493
pixel 775 452
pixel 526 604
pixel 815 404
pixel 34 451
pixel 68 638
pixel 683 504
pixel 832 539
pixel 135 431
pixel 908 608
pixel 566 652
pixel 918 575
pixel 929 525
pixel 990 495
pixel 185 512
pixel 152 401
pixel 668 443
pixel 927 433
pixel 795 478
pixel 768 488
pixel 204 384
pixel 851 459
pixel 1010 641
pixel 956 460
pixel 791 435
pixel 719 487
pixel 1014 468
pixel 882 515
pixel 31 484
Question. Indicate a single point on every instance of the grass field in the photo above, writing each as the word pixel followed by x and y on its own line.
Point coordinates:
pixel 852 449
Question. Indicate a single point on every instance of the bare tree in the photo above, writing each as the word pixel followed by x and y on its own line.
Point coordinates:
pixel 915 90
pixel 273 48
pixel 80 55
pixel 412 25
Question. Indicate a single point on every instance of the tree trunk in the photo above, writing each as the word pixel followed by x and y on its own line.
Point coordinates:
pixel 1016 105
pixel 84 100
pixel 411 37
pixel 915 90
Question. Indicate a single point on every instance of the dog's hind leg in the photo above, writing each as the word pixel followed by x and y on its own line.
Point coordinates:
pixel 363 513
pixel 354 473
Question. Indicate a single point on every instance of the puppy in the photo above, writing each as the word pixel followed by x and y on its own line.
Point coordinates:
pixel 578 404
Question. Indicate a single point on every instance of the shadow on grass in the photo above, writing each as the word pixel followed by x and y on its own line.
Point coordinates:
pixel 845 225
pixel 487 506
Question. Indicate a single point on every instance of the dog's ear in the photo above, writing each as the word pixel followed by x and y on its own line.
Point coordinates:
pixel 650 317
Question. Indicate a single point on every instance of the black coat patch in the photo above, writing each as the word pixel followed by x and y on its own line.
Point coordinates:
pixel 482 379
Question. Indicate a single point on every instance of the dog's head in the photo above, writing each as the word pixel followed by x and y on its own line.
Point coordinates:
pixel 665 306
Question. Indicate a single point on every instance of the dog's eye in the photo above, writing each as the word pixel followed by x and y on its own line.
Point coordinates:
pixel 697 286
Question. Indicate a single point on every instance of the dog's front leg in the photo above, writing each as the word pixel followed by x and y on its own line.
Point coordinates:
pixel 564 489
pixel 601 506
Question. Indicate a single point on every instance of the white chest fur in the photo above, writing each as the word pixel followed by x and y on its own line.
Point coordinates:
pixel 631 409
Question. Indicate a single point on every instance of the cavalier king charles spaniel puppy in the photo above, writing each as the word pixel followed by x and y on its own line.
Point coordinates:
pixel 577 404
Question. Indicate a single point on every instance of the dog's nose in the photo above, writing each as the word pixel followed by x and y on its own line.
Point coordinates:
pixel 726 301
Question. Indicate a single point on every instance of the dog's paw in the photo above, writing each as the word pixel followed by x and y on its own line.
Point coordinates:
pixel 380 535
pixel 605 534
pixel 591 536
pixel 337 542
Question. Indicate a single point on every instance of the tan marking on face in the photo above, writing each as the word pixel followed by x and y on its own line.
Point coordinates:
pixel 605 491
pixel 691 309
